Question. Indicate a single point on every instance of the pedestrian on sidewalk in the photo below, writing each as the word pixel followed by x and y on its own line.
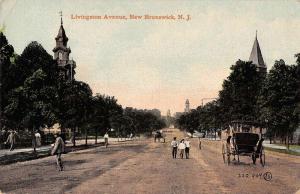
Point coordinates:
pixel 106 139
pixel 11 139
pixel 58 150
pixel 187 148
pixel 174 145
pixel 181 148
pixel 38 139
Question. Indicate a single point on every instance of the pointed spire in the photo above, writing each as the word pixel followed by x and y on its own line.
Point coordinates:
pixel 61 21
pixel 61 36
pixel 256 56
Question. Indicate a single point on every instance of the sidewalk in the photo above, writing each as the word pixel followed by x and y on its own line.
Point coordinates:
pixel 23 154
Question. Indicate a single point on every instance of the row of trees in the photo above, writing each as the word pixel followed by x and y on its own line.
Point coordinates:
pixel 270 99
pixel 34 95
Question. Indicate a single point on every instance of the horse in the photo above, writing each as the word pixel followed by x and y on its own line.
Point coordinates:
pixel 158 135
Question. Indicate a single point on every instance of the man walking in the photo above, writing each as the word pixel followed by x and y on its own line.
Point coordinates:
pixel 187 148
pixel 106 139
pixel 58 149
pixel 174 145
pixel 11 139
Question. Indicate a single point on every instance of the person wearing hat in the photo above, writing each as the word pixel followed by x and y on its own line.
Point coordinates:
pixel 58 150
pixel 174 145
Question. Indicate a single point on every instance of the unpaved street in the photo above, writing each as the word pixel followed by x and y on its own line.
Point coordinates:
pixel 147 167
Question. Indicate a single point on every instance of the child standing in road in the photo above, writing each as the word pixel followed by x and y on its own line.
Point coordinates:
pixel 181 148
pixel 174 145
pixel 187 148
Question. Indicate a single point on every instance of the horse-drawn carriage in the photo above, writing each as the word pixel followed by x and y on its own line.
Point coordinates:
pixel 159 135
pixel 243 139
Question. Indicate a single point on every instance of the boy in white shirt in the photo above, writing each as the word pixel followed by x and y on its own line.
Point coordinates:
pixel 181 148
pixel 174 145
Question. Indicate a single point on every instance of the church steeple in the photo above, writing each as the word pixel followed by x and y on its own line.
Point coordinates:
pixel 256 56
pixel 61 22
pixel 62 52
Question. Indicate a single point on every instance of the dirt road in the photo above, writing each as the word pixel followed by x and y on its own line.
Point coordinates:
pixel 148 167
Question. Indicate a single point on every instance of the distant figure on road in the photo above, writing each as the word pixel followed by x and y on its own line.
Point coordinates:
pixel 181 148
pixel 58 150
pixel 187 148
pixel 106 139
pixel 11 139
pixel 174 145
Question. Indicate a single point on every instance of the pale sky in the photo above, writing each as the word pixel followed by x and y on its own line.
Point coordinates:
pixel 157 63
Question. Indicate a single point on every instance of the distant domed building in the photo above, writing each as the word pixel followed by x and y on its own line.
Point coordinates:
pixel 187 106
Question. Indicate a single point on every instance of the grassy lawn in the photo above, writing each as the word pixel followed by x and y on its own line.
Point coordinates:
pixel 283 151
pixel 291 146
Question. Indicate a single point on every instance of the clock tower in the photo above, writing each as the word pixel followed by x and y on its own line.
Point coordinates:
pixel 62 52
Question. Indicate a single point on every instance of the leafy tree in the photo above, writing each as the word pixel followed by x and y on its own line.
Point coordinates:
pixel 204 118
pixel 6 78
pixel 189 121
pixel 73 104
pixel 238 97
pixel 106 113
pixel 279 100
pixel 32 94
pixel 143 121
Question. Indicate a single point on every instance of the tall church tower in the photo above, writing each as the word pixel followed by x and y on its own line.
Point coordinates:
pixel 256 57
pixel 187 106
pixel 62 52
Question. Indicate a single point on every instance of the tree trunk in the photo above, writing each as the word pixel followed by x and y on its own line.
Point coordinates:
pixel 86 136
pixel 74 138
pixel 96 135
pixel 285 141
pixel 33 140
pixel 288 142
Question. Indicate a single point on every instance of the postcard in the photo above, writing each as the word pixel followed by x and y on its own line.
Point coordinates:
pixel 162 97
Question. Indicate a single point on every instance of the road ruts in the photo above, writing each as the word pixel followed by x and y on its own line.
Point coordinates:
pixel 147 167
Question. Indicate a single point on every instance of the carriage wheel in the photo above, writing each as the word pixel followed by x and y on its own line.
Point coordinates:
pixel 262 157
